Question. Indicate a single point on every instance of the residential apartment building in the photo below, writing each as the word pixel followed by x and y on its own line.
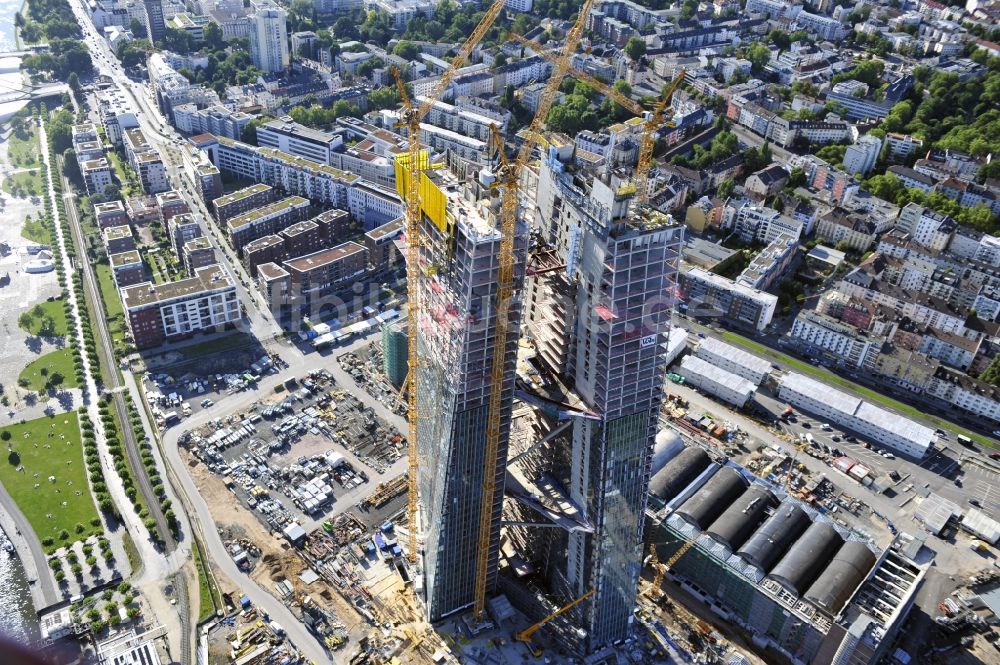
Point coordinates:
pixel 325 185
pixel 269 36
pixel 181 229
pixel 110 213
pixel 754 223
pixel 97 175
pixel 145 162
pixel 175 310
pixel 118 239
pixel 927 227
pixel 708 294
pixel 289 136
pixel 466 122
pixel 197 253
pixel 842 343
pixel 771 263
pixel 372 206
pixel 217 120
pixel 241 201
pixel 127 268
pixel 841 225
pixel 972 396
pixel 860 157
pixel 266 220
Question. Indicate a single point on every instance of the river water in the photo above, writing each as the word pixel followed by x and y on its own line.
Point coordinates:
pixel 17 613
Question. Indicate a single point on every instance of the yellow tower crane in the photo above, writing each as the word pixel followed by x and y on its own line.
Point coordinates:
pixel 660 569
pixel 507 222
pixel 654 117
pixel 414 165
pixel 526 634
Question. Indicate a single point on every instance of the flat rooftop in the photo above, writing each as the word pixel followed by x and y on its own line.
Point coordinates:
pixel 695 365
pixel 292 128
pixel 300 228
pixel 323 257
pixel 109 207
pixel 271 270
pixel 735 355
pixel 263 243
pixel 120 231
pixel 241 194
pixel 813 389
pixel 124 259
pixel 392 228
pixel 266 211
pixel 198 243
pixel 209 278
pixel 729 285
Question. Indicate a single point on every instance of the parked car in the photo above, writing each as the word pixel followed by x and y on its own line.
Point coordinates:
pixel 995 456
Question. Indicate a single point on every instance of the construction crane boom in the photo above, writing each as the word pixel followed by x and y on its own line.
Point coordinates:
pixel 505 288
pixel 654 118
pixel 526 634
pixel 411 117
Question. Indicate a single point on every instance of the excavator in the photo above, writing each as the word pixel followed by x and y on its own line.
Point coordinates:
pixel 526 634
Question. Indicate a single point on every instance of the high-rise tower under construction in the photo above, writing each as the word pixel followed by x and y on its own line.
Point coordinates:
pixel 597 316
pixel 459 264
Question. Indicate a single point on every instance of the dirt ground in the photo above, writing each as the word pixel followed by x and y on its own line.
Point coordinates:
pixel 277 561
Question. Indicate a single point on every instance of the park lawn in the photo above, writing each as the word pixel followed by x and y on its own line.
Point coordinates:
pixel 50 309
pixel 112 303
pixel 50 446
pixel 232 340
pixel 60 361
pixel 23 152
pixel 206 599
pixel 35 231
pixel 25 183
pixel 869 394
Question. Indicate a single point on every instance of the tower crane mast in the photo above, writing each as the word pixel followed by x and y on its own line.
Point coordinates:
pixel 410 118
pixel 507 222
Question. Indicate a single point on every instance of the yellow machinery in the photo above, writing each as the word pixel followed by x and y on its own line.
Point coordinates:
pixel 660 569
pixel 411 118
pixel 526 634
pixel 654 118
pixel 508 178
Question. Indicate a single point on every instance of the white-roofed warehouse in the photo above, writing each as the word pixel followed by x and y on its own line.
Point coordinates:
pixel 880 426
pixel 716 381
pixel 733 359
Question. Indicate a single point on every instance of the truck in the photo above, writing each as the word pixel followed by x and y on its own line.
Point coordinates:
pixel 809 438
pixel 964 440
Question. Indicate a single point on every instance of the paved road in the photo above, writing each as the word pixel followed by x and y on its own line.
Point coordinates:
pixel 201 513
pixel 106 350
pixel 173 150
pixel 29 548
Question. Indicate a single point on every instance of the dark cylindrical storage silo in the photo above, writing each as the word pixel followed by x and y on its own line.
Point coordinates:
pixel 739 520
pixel 808 557
pixel 771 541
pixel 852 562
pixel 679 472
pixel 713 497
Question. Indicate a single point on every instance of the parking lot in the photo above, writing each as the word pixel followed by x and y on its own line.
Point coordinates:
pixel 306 454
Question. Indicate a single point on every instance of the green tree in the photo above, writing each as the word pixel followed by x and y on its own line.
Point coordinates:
pixel 138 28
pixel 758 54
pixel 71 167
pixel 635 48
pixel 406 49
